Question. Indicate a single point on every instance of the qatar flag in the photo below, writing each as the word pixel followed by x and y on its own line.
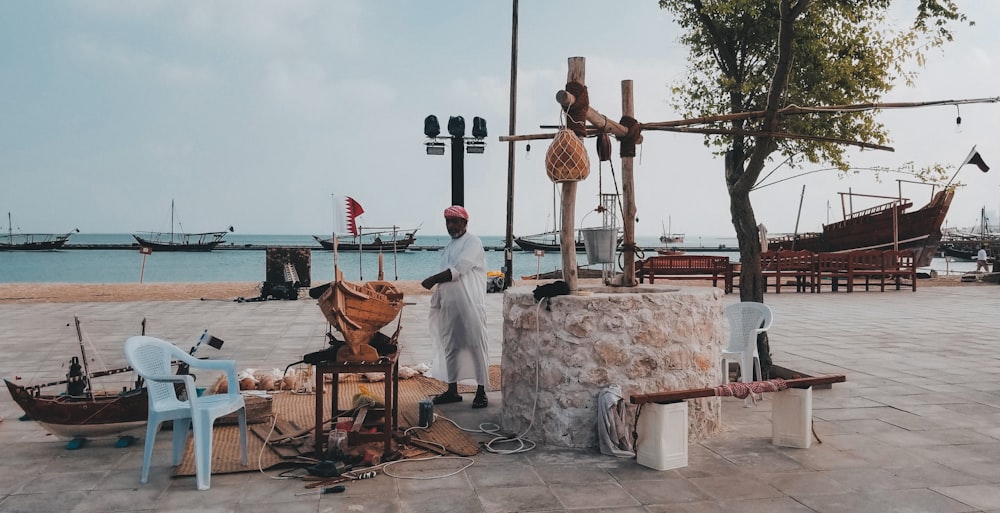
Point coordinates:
pixel 977 159
pixel 345 213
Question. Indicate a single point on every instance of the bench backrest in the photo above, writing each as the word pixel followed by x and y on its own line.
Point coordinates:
pixel 704 263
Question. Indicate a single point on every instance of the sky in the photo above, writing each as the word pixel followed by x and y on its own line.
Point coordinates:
pixel 256 113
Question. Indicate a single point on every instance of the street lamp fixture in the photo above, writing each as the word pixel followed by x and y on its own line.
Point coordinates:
pixel 456 130
pixel 434 147
pixel 475 146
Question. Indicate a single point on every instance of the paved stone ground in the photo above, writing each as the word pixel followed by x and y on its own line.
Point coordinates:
pixel 916 427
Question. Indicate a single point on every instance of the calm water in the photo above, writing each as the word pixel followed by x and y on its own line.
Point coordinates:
pixel 238 265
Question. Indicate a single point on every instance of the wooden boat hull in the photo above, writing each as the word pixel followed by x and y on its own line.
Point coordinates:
pixel 358 310
pixel 83 417
pixel 919 230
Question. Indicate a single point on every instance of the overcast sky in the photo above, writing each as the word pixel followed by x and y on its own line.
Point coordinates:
pixel 252 114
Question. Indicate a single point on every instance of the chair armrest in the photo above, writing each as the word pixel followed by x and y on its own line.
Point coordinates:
pixel 229 366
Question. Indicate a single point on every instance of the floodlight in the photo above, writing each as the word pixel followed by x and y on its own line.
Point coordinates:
pixel 478 127
pixel 431 126
pixel 456 126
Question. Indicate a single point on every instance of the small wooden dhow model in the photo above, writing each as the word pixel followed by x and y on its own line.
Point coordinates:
pixel 358 311
pixel 80 411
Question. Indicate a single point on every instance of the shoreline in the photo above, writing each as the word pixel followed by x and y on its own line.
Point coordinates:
pixel 231 291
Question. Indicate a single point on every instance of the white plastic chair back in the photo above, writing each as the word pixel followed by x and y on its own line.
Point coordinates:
pixel 746 320
pixel 151 358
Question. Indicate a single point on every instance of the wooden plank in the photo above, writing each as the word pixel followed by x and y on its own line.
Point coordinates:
pixel 680 395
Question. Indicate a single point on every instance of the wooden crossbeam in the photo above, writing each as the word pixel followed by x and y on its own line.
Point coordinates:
pixel 675 396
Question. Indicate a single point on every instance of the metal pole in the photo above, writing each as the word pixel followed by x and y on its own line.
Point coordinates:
pixel 457 170
pixel 508 252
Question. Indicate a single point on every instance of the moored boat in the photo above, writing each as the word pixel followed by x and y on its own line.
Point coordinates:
pixel 372 239
pixel 180 241
pixel 11 241
pixel 669 237
pixel 883 227
pixel 549 241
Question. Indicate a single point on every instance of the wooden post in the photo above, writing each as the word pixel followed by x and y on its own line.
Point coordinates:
pixel 628 191
pixel 567 232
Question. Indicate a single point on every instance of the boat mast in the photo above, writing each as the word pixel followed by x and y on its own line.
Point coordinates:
pixel 83 356
pixel 171 220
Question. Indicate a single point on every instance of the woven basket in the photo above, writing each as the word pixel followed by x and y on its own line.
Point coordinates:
pixel 566 159
pixel 258 410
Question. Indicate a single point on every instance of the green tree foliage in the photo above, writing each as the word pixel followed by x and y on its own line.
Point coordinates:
pixel 766 55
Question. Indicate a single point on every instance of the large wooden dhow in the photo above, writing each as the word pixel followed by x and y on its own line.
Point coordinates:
pixel 358 310
pixel 883 227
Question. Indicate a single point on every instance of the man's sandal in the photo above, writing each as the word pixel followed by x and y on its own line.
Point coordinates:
pixel 480 401
pixel 447 398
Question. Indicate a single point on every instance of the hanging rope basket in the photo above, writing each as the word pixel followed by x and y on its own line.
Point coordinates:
pixel 566 159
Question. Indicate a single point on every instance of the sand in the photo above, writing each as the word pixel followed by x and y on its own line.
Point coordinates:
pixel 122 292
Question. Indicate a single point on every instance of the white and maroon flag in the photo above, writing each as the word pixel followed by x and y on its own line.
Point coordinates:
pixel 345 213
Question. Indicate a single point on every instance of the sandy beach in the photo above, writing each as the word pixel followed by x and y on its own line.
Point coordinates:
pixel 229 291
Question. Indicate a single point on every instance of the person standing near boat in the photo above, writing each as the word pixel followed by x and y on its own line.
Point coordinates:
pixel 458 311
pixel 982 259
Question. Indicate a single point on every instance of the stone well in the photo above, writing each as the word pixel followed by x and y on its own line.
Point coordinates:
pixel 649 338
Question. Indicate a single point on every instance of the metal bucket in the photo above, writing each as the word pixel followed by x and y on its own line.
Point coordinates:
pixel 600 244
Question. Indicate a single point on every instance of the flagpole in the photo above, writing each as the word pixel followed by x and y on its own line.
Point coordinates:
pixel 968 159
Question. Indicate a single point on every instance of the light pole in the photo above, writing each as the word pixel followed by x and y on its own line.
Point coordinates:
pixel 474 144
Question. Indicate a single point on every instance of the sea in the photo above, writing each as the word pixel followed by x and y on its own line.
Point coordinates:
pixel 241 258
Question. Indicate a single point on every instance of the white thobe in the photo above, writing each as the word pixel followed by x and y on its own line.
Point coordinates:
pixel 458 314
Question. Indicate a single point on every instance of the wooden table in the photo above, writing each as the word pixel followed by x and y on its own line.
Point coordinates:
pixel 386 364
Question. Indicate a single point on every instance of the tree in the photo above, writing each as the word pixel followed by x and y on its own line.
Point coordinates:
pixel 765 55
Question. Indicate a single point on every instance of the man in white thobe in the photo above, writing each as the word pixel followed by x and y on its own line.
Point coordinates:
pixel 458 312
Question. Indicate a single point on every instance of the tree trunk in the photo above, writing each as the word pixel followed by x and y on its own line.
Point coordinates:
pixel 748 238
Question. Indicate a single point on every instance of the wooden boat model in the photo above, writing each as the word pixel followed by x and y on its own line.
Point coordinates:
pixel 91 415
pixel 11 241
pixel 883 227
pixel 358 311
pixel 81 412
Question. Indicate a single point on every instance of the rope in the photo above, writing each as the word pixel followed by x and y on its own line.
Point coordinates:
pixel 629 140
pixel 577 113
pixel 743 390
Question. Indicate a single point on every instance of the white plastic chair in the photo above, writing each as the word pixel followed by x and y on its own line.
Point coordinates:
pixel 746 320
pixel 151 358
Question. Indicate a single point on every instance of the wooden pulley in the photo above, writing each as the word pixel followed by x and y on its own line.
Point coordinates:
pixel 566 159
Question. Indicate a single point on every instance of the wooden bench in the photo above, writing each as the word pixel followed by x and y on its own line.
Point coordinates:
pixel 900 266
pixel 687 267
pixel 781 265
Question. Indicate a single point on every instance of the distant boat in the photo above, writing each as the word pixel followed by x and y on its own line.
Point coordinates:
pixel 376 239
pixel 548 241
pixel 31 241
pixel 669 237
pixel 881 227
pixel 178 241
pixel 966 246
